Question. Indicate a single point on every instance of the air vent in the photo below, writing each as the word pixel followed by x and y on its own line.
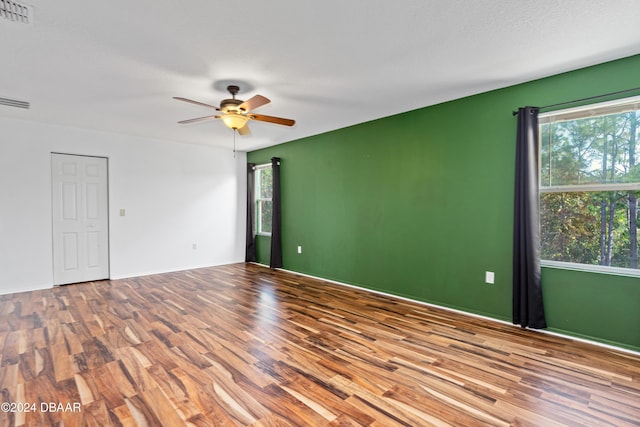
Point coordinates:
pixel 14 102
pixel 16 12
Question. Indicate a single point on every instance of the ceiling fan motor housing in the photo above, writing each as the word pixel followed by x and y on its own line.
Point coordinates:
pixel 231 105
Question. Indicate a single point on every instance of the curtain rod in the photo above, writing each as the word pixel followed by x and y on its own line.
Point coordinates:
pixel 515 113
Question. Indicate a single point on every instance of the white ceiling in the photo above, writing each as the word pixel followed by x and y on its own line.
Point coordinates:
pixel 115 65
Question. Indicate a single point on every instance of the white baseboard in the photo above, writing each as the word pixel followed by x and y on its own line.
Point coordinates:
pixel 479 316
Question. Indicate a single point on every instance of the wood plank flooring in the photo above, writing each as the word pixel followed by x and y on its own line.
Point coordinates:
pixel 242 345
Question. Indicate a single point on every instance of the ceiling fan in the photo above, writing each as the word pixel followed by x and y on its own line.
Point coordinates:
pixel 235 113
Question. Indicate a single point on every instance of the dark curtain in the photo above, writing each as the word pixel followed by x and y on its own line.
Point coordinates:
pixel 276 237
pixel 250 252
pixel 528 309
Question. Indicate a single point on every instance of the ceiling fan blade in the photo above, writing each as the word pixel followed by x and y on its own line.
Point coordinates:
pixel 244 130
pixel 198 119
pixel 271 119
pixel 253 103
pixel 191 101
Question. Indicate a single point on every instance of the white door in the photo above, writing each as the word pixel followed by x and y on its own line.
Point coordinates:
pixel 80 218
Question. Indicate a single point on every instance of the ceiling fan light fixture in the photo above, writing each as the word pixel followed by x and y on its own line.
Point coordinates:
pixel 234 120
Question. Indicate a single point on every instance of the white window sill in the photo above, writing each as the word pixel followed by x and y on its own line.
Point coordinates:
pixel 603 269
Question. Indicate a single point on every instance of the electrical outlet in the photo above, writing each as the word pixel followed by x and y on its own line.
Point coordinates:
pixel 194 246
pixel 489 277
pixel 299 249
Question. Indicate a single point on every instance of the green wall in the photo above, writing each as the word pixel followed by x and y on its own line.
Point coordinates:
pixel 420 205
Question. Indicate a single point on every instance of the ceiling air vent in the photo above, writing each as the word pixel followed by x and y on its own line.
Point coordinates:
pixel 16 12
pixel 14 102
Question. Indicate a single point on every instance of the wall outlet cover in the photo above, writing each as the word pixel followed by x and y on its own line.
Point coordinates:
pixel 489 277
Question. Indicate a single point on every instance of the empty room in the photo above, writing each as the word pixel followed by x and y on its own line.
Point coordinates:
pixel 297 213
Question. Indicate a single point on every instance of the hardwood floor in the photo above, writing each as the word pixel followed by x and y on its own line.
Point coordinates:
pixel 242 345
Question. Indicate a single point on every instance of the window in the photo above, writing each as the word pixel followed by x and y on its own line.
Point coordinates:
pixel 590 185
pixel 264 205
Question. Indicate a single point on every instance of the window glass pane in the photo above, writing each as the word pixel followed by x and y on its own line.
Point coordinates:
pixel 263 205
pixel 590 150
pixel 266 213
pixel 266 183
pixel 598 228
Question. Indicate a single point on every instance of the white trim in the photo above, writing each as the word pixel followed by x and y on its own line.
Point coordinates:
pixel 262 166
pixel 591 268
pixel 621 105
pixel 479 316
pixel 578 188
pixel 387 294
pixel 588 341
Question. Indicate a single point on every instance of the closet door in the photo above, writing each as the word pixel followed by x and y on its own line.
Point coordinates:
pixel 80 218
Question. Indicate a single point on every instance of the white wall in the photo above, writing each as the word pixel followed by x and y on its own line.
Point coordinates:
pixel 175 195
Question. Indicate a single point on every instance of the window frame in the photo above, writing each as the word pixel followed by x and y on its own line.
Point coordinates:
pixel 617 106
pixel 257 199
